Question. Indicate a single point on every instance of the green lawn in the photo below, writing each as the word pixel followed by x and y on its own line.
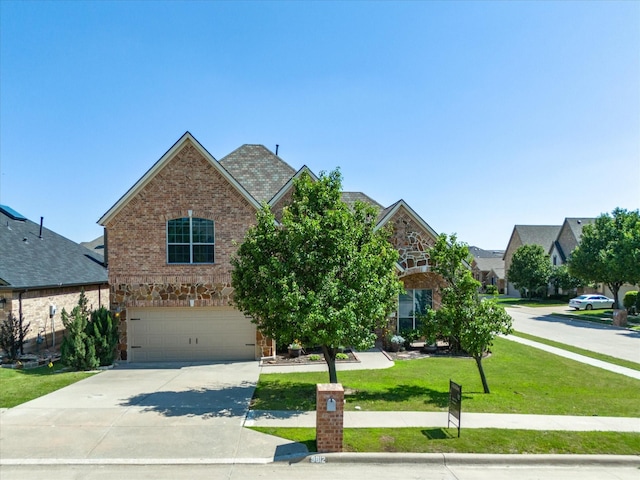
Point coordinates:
pixel 526 302
pixel 492 441
pixel 522 380
pixel 19 386
pixel 580 351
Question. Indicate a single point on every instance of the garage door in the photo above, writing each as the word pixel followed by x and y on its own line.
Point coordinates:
pixel 190 334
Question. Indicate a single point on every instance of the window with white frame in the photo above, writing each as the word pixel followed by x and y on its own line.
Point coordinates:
pixel 190 240
pixel 411 305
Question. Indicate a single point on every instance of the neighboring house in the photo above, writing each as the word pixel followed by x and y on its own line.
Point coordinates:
pixel 42 273
pixel 543 235
pixel 558 241
pixel 488 267
pixel 170 238
pixel 568 239
pixel 96 245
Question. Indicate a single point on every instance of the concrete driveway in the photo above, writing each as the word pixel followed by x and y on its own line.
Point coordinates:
pixel 157 412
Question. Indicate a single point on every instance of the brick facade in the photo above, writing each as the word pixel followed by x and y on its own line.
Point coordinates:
pixel 139 275
pixel 35 305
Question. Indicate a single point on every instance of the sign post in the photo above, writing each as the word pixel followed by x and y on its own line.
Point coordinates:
pixel 455 405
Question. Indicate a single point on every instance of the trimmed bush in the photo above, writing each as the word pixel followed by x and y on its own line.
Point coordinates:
pixel 491 289
pixel 630 301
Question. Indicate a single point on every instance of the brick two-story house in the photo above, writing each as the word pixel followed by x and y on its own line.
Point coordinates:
pixel 170 237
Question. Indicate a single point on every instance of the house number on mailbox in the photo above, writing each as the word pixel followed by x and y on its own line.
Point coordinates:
pixel 331 405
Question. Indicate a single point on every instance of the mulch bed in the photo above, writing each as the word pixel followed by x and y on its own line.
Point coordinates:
pixel 304 358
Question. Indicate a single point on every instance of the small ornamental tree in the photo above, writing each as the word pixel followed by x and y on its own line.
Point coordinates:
pixel 12 336
pixel 488 319
pixel 324 276
pixel 467 320
pixel 530 270
pixel 609 251
pixel 78 348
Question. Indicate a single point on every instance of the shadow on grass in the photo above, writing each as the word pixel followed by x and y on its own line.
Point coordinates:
pixel 278 395
pixel 437 434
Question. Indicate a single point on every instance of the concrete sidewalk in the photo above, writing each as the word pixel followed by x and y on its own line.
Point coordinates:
pixel 359 419
pixel 577 357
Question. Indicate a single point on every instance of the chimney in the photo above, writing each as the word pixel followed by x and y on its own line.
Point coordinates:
pixel 277 148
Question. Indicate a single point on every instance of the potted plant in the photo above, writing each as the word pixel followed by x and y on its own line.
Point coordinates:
pixel 295 348
pixel 396 342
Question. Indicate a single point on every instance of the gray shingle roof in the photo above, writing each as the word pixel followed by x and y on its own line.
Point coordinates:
pixel 576 224
pixel 27 261
pixel 350 198
pixel 543 235
pixel 258 170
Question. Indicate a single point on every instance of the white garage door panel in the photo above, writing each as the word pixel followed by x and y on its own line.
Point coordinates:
pixel 190 334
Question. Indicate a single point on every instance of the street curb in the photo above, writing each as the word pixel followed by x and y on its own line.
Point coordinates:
pixel 441 459
pixel 460 459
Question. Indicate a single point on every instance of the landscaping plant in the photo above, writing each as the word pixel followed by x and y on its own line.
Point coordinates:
pixel 78 347
pixel 12 335
pixel 104 332
pixel 324 274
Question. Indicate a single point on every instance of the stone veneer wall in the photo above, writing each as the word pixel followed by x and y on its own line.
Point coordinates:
pixel 411 241
pixel 35 310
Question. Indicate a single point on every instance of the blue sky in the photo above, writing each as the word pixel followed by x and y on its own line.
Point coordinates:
pixel 481 115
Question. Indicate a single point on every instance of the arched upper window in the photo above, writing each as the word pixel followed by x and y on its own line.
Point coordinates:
pixel 190 240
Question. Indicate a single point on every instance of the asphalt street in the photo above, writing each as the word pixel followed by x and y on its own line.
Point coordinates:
pixel 370 471
pixel 616 342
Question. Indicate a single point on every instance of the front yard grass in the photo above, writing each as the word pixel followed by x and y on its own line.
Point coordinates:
pixel 490 441
pixel 530 302
pixel 19 386
pixel 522 380
pixel 587 353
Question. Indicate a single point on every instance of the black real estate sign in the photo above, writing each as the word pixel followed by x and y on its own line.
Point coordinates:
pixel 455 404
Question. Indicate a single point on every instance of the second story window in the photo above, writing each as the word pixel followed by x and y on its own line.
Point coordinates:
pixel 190 240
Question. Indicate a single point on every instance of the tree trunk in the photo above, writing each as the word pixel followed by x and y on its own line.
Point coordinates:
pixel 330 358
pixel 485 385
pixel 615 289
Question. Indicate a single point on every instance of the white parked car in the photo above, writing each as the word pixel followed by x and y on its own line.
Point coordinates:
pixel 589 302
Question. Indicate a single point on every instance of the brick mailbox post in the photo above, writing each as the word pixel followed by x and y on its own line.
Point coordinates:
pixel 329 417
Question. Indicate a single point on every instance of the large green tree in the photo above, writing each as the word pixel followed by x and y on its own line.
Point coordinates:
pixel 530 270
pixel 609 251
pixel 464 317
pixel 323 276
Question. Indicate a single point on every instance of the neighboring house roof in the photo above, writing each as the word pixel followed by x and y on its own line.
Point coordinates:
pixel 152 172
pixel 258 170
pixel 96 245
pixel 28 260
pixel 487 264
pixel 576 225
pixel 480 253
pixel 543 235
pixel 573 227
